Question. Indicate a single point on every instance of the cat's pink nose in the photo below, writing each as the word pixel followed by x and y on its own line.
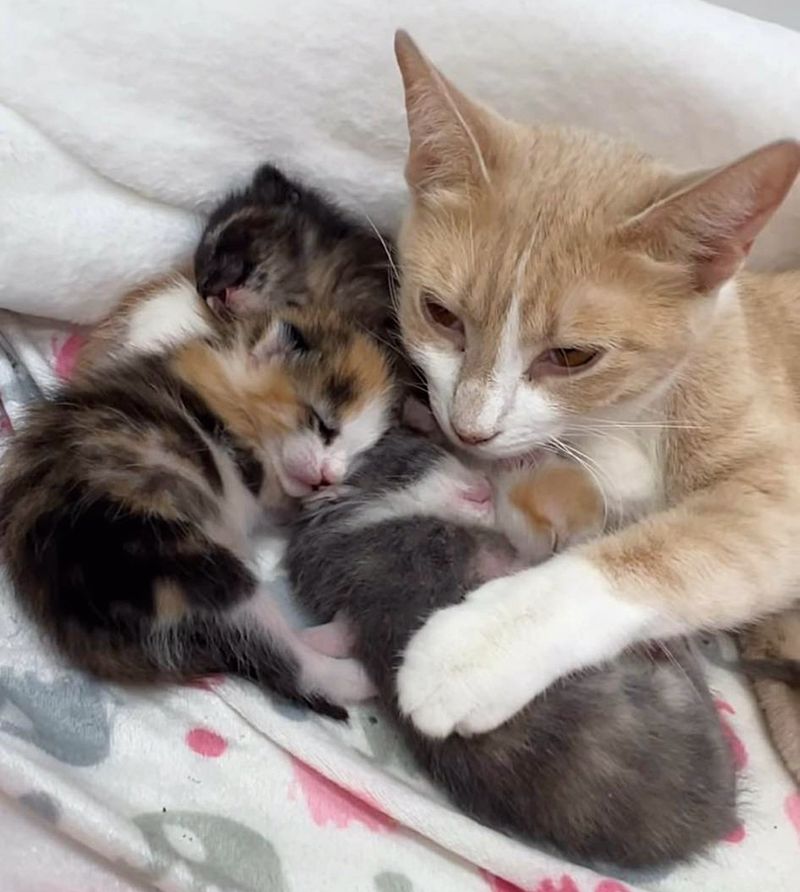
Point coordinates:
pixel 473 436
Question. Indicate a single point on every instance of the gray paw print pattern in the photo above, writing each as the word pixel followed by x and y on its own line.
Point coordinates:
pixel 66 717
pixel 218 851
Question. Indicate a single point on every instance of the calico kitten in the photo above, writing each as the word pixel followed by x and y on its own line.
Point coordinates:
pixel 626 764
pixel 127 501
pixel 278 243
pixel 563 290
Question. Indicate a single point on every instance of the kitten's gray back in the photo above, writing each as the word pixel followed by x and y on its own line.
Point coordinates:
pixel 626 764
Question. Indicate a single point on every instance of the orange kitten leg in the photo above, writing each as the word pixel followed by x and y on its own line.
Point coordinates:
pixel 548 507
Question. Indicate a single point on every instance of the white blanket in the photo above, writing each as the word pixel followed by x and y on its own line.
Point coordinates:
pixel 118 122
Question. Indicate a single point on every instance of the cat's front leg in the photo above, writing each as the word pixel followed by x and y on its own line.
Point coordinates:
pixel 473 666
pixel 723 557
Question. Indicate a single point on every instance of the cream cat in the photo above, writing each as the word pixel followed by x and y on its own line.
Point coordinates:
pixel 562 290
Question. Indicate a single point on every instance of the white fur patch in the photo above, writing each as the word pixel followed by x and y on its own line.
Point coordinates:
pixel 626 468
pixel 361 431
pixel 171 316
pixel 473 666
pixel 441 368
pixel 304 459
pixel 447 492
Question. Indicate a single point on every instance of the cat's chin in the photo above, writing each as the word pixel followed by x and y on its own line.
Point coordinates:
pixel 523 460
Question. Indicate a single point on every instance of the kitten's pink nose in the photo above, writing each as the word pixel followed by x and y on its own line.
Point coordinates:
pixel 329 474
pixel 472 436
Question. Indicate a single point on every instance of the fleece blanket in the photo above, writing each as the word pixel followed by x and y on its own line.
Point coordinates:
pixel 217 787
pixel 121 122
pixel 120 125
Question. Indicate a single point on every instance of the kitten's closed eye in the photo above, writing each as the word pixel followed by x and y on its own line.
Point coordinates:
pixel 327 431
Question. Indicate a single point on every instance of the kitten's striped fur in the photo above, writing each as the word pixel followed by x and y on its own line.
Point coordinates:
pixel 127 501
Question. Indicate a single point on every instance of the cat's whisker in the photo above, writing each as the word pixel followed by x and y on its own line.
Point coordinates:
pixel 676 664
pixel 382 240
pixel 592 469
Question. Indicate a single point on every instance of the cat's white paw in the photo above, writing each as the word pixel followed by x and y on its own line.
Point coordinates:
pixel 472 667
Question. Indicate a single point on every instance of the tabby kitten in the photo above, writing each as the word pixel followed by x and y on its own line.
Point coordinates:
pixel 127 501
pixel 565 291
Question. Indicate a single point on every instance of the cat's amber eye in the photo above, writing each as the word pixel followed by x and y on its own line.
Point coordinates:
pixel 565 360
pixel 444 319
pixel 571 357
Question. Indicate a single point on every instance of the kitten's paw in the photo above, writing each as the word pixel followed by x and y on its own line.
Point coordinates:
pixel 334 639
pixel 340 681
pixel 472 667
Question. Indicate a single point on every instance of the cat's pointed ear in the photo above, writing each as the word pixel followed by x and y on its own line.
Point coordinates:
pixel 710 223
pixel 452 140
pixel 281 339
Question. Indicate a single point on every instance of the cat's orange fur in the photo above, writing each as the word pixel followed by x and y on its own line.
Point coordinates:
pixel 559 505
pixel 521 243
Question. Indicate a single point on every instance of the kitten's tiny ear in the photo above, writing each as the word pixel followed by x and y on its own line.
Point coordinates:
pixel 274 187
pixel 281 339
pixel 711 224
pixel 452 139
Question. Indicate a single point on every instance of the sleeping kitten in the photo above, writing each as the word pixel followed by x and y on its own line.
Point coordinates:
pixel 626 764
pixel 127 501
pixel 566 291
pixel 278 243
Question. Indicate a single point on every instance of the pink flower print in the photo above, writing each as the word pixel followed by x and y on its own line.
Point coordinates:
pixel 328 803
pixel 736 835
pixel 738 748
pixel 792 809
pixel 565 884
pixel 498 884
pixel 206 743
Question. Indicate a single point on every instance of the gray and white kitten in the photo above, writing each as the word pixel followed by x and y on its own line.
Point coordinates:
pixel 624 764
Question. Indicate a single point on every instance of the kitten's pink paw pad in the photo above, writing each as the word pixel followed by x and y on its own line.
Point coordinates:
pixel 335 639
